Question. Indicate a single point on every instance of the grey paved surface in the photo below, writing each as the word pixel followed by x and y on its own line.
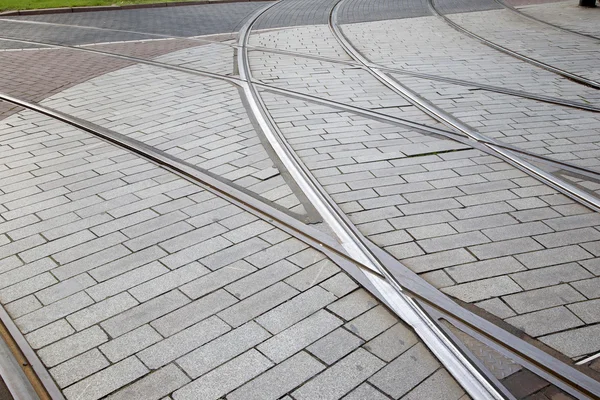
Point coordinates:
pixel 177 21
pixel 130 282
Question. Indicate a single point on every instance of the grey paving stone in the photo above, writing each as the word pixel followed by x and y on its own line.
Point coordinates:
pixel 27 287
pixel 153 386
pixel 183 342
pixel 339 285
pixel 588 311
pixel 371 323
pixel 590 288
pixel 353 304
pixel 295 309
pixel 49 334
pixel 565 238
pixel 193 312
pixel 126 281
pixel 279 380
pixel 549 276
pixel 441 385
pixel 65 289
pixel 496 307
pixel 222 349
pixel 335 345
pixel 545 321
pixel 90 247
pixel 234 253
pixel 576 342
pixel 539 299
pixel 72 345
pixel 196 252
pixel 26 271
pixel 257 304
pixel 23 306
pixel 340 378
pixel 225 378
pixel 130 343
pixel 106 381
pixel 505 248
pixel 414 365
pixel 78 368
pixel 144 313
pixel 312 275
pixel 53 312
pixel 306 257
pixel 365 391
pixel 483 289
pixel 298 336
pixel 100 311
pixel 257 281
pixel 111 269
pixel 431 262
pixel 411 221
pixel 484 269
pixel 217 279
pixel 452 241
pixel 548 257
pixel 55 246
pixel 275 253
pixel 168 281
pixel 391 343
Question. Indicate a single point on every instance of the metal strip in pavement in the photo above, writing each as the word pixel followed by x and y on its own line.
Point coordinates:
pixel 470 378
pixel 566 74
pixel 541 21
pixel 411 282
pixel 572 191
pixel 201 39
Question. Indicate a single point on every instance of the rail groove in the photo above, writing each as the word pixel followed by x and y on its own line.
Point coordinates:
pixel 490 88
pixel 457 125
pixel 571 386
pixel 574 77
pixel 383 280
pixel 541 21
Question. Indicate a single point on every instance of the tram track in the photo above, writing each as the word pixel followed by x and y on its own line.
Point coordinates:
pixel 541 21
pixel 432 77
pixel 358 252
pixel 455 124
pixel 559 71
pixel 574 193
pixel 476 383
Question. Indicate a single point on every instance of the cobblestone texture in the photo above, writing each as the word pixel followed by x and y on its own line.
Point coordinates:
pixel 159 332
pixel 454 212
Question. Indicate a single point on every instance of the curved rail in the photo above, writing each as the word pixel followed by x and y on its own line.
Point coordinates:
pixel 573 386
pixel 448 120
pixel 370 113
pixel 566 74
pixel 414 285
pixel 472 380
pixel 489 88
pixel 541 21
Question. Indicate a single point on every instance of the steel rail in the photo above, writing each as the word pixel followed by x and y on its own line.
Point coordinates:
pixel 472 380
pixel 569 190
pixel 532 18
pixel 369 113
pixel 413 284
pixel 439 115
pixel 572 386
pixel 574 77
pixel 437 298
pixel 486 87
